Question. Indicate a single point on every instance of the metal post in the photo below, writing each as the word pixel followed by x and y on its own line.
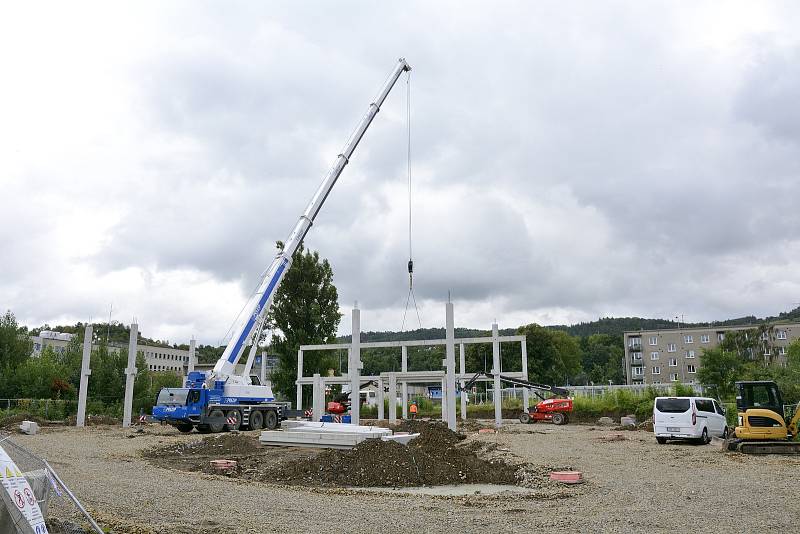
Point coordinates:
pixel 498 398
pixel 299 376
pixel 392 398
pixel 379 398
pixel 462 370
pixel 526 401
pixel 130 376
pixel 450 359
pixel 354 367
pixel 404 368
pixel 85 372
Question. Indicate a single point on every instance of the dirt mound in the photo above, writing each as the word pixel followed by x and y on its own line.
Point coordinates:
pixel 434 458
pixel 220 446
pixel 12 421
pixel 95 420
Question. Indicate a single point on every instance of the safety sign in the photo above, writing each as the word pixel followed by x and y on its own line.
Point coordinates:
pixel 19 498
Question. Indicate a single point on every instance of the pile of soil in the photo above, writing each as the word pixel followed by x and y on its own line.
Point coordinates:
pixel 94 420
pixel 223 446
pixel 434 458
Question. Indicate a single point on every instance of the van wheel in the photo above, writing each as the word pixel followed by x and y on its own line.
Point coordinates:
pixel 704 439
pixel 661 441
pixel 725 433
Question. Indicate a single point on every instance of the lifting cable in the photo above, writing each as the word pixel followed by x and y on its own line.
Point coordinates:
pixel 410 296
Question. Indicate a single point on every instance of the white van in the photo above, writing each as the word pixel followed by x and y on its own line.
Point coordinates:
pixel 688 418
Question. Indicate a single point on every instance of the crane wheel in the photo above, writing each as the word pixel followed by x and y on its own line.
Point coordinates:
pixel 184 427
pixel 271 419
pixel 256 420
pixel 204 429
pixel 218 423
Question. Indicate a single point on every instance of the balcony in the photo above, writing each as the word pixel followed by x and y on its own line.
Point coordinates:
pixel 637 360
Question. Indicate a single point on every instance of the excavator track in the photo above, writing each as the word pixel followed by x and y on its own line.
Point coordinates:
pixel 763 447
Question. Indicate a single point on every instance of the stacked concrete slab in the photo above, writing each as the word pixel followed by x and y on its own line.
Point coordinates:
pixel 328 435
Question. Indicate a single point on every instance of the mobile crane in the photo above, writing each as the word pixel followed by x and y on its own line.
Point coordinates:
pixel 224 399
pixel 554 409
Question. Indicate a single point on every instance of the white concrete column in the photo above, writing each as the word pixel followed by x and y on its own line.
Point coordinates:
pixel 462 369
pixel 85 372
pixel 130 375
pixel 192 357
pixel 392 398
pixel 498 397
pixel 354 367
pixel 379 398
pixel 526 400
pixel 450 359
pixel 299 376
pixel 404 387
pixel 444 399
pixel 317 398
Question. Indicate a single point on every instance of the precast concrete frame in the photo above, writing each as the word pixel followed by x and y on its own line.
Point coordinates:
pixel 447 378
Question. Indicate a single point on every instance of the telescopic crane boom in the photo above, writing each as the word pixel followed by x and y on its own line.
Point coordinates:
pixel 259 304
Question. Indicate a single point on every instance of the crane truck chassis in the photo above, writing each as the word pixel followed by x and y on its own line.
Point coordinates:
pixel 227 399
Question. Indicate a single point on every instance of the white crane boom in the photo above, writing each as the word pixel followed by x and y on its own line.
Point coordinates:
pixel 260 302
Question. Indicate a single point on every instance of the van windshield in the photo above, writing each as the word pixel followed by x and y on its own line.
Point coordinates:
pixel 672 405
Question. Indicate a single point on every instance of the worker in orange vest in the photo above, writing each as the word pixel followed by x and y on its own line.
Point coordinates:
pixel 413 410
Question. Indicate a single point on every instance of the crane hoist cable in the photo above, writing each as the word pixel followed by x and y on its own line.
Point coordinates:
pixel 410 297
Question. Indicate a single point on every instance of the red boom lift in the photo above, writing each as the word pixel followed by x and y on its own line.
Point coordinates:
pixel 555 409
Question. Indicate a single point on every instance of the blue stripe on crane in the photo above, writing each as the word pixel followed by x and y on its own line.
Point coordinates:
pixel 254 316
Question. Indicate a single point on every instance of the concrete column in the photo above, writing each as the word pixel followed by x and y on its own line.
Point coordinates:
pixel 354 367
pixel 192 357
pixel 444 399
pixel 526 400
pixel 85 372
pixel 404 368
pixel 379 398
pixel 498 397
pixel 317 398
pixel 450 364
pixel 392 398
pixel 263 374
pixel 462 370
pixel 299 376
pixel 130 376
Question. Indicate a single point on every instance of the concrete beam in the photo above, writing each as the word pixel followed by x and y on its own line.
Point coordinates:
pixel 85 372
pixel 413 343
pixel 392 398
pixel 130 376
pixel 192 356
pixel 526 400
pixel 379 399
pixel 299 382
pixel 404 385
pixel 354 367
pixel 461 368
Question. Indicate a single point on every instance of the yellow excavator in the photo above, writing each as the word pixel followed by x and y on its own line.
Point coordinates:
pixel 762 427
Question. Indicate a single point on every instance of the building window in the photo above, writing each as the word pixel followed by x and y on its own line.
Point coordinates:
pixel 656 370
pixel 671 347
pixel 688 339
pixel 634 342
pixel 636 356
pixel 704 338
pixel 691 369
pixel 767 351
pixel 637 371
pixel 654 355
pixel 654 340
pixel 781 334
pixel 673 377
pixel 765 336
pixel 782 351
pixel 673 362
pixel 720 336
pixel 656 381
pixel 690 354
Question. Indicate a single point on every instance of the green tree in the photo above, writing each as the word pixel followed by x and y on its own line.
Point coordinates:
pixel 720 368
pixel 554 357
pixel 15 348
pixel 601 358
pixel 305 310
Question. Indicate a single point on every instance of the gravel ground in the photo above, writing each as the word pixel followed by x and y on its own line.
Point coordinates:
pixel 632 485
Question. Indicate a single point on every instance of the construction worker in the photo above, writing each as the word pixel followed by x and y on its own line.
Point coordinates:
pixel 413 409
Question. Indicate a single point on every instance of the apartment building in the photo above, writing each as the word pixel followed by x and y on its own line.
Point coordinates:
pixel 157 358
pixel 665 356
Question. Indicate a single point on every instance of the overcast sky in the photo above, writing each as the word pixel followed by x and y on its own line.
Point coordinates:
pixel 570 161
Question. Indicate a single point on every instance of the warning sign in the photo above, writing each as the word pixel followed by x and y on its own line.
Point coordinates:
pixel 19 498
